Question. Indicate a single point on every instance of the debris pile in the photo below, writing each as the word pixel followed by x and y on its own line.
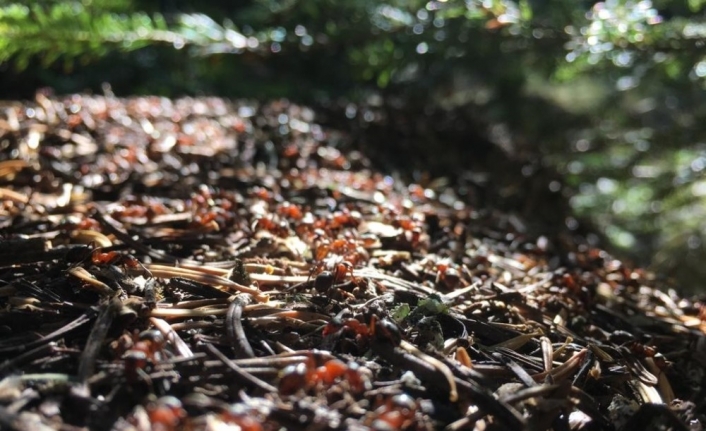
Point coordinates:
pixel 202 264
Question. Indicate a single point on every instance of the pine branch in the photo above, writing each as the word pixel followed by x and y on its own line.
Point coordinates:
pixel 72 31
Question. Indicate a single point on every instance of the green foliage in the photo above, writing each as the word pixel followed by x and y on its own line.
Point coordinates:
pixel 400 312
pixel 69 30
pixel 87 30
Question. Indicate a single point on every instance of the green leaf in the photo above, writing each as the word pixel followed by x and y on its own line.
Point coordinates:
pixel 400 312
pixel 525 10
pixel 696 5
pixel 428 307
pixel 432 305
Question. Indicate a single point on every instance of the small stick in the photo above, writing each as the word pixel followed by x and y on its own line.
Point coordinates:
pixel 277 279
pixel 206 269
pixel 74 324
pixel 285 358
pixel 564 370
pixel 9 167
pixel 180 313
pixel 111 226
pixel 91 282
pixel 30 355
pixel 91 237
pixel 520 372
pixel 443 368
pixel 547 353
pixel 426 367
pixel 279 322
pixel 166 271
pixel 243 375
pixel 531 392
pixel 172 336
pixel 399 283
pixel 95 339
pixel 451 296
pixel 305 316
pixel 516 342
pixel 234 328
pixel 488 405
pixel 13 195
pixel 196 303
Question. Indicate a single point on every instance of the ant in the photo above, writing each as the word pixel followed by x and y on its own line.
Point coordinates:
pixel 382 330
pixel 110 266
pixel 164 414
pixel 140 352
pixel 240 418
pixel 99 257
pixel 648 352
pixel 307 375
pixel 395 413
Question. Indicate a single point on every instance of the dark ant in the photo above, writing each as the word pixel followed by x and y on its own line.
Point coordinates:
pixel 324 281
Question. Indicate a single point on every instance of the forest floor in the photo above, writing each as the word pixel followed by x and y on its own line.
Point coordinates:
pixel 203 264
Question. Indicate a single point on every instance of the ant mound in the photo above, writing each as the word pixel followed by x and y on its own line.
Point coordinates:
pixel 205 264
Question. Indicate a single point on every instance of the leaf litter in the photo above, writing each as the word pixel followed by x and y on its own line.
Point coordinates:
pixel 202 264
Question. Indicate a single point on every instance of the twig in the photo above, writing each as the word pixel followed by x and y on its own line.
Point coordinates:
pixel 69 327
pixel 95 339
pixel 243 375
pixel 172 336
pixel 165 271
pixel 234 328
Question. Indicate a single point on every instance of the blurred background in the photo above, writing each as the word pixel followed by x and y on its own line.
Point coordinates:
pixel 581 117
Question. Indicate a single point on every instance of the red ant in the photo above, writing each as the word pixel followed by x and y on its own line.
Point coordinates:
pixel 140 352
pixel 378 329
pixel 100 258
pixel 88 224
pixel 411 226
pixel 642 349
pixel 164 414
pixel 262 193
pixel 448 275
pixel 244 420
pixel 353 325
pixel 291 211
pixel 345 218
pixel 396 413
pixel 307 375
pixel 338 257
pixel 648 352
pixel 273 224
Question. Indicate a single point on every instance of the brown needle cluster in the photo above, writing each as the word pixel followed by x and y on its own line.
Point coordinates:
pixel 200 264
